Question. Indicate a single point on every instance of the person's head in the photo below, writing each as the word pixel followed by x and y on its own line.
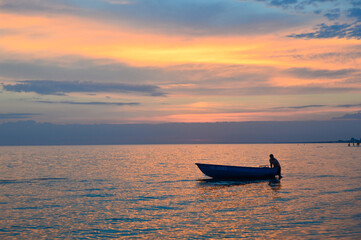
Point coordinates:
pixel 271 156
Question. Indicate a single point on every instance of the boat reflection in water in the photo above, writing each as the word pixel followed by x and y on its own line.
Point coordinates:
pixel 211 183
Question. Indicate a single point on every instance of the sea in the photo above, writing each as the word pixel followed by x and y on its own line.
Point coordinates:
pixel 157 192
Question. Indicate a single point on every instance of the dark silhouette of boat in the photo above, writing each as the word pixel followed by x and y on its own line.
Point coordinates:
pixel 237 172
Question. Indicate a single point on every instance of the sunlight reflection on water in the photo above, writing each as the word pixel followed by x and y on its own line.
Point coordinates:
pixel 156 191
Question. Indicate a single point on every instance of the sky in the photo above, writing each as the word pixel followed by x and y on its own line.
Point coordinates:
pixel 160 61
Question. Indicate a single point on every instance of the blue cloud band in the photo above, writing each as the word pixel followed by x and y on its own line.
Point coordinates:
pixel 49 87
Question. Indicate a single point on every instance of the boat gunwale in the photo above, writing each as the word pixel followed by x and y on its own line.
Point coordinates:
pixel 230 166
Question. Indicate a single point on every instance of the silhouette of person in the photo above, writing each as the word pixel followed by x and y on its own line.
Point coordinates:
pixel 275 164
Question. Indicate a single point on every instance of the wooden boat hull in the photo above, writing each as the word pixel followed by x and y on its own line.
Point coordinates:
pixel 235 172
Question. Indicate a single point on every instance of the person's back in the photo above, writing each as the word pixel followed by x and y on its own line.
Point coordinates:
pixel 273 161
pixel 275 164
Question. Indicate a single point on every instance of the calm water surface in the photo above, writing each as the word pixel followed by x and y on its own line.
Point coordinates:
pixel 156 192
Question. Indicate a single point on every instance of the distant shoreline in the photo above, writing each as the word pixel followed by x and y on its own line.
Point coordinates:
pixel 189 143
pixel 31 133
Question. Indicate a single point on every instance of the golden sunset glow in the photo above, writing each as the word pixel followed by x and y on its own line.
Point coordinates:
pixel 37 36
pixel 183 68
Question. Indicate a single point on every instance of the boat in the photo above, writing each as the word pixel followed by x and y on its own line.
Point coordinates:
pixel 237 172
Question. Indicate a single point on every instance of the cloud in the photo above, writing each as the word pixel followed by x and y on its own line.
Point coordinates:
pixel 349 105
pixel 298 4
pixel 345 55
pixel 321 106
pixel 332 31
pixel 73 67
pixel 90 103
pixel 62 87
pixel 29 6
pixel 205 17
pixel 279 3
pixel 5 32
pixel 355 13
pixel 307 106
pixel 350 116
pixel 333 14
pixel 17 115
pixel 347 12
pixel 308 73
pixel 267 90
pixel 202 17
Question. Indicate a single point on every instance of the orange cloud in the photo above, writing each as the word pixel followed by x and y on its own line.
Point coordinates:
pixel 205 57
pixel 47 37
pixel 266 115
pixel 43 37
